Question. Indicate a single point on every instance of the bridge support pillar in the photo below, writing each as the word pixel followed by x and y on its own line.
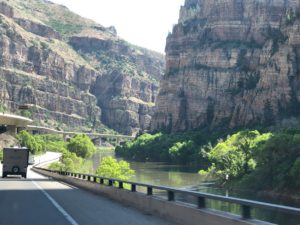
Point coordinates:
pixel 65 137
pixel 118 141
pixel 12 129
pixel 98 142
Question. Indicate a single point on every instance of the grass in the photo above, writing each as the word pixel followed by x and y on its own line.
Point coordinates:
pixel 140 101
pixel 68 53
pixel 56 16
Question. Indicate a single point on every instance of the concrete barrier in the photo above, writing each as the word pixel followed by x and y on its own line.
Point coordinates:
pixel 176 212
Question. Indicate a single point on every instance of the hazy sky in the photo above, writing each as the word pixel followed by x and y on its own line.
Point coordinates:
pixel 141 22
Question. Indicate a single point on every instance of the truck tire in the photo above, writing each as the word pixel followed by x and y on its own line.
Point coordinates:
pixel 4 175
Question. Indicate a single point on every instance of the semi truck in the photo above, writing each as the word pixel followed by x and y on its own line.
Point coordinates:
pixel 15 161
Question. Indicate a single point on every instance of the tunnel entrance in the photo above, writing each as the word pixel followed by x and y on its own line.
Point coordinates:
pixel 3 129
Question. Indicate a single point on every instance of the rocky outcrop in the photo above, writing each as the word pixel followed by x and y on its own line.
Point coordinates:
pixel 38 29
pixel 32 73
pixel 127 102
pixel 6 10
pixel 65 68
pixel 231 63
pixel 128 87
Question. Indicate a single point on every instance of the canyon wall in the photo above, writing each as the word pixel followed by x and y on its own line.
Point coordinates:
pixel 231 63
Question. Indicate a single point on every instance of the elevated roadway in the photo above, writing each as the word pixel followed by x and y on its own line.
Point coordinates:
pixel 13 122
pixel 94 136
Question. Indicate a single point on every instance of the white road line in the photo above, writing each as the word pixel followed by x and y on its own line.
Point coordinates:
pixel 59 208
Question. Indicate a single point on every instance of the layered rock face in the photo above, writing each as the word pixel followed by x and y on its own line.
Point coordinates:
pixel 128 87
pixel 231 63
pixel 31 73
pixel 127 103
pixel 65 68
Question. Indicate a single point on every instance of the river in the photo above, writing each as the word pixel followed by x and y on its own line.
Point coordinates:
pixel 187 178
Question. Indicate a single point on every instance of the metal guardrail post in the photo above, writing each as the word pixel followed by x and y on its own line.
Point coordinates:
pixel 101 181
pixel 89 178
pixel 246 212
pixel 120 184
pixel 201 202
pixel 171 196
pixel 83 177
pixel 95 179
pixel 149 191
pixel 110 183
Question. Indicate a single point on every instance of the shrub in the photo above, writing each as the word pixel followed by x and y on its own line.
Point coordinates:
pixel 81 145
pixel 34 145
pixel 111 168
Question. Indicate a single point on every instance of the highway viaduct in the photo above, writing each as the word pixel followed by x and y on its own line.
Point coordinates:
pixel 15 123
pixel 96 137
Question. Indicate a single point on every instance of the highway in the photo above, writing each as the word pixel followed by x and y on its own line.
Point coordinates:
pixel 38 200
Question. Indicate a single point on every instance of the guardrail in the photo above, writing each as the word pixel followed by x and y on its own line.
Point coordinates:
pixel 246 205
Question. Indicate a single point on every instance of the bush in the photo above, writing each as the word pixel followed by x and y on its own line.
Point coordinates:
pixel 111 168
pixel 35 145
pixel 233 158
pixel 81 145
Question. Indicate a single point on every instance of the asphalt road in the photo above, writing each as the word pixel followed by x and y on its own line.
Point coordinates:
pixel 38 200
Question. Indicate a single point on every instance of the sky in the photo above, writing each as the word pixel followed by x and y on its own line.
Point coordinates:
pixel 144 23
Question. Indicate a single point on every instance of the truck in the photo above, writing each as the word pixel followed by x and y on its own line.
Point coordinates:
pixel 15 161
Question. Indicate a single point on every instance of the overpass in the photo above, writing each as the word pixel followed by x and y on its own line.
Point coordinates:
pixel 14 122
pixel 96 137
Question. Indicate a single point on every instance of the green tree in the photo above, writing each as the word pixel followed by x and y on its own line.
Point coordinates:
pixel 111 168
pixel 81 145
pixel 29 141
pixel 234 157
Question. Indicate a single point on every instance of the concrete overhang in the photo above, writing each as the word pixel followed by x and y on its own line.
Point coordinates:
pixel 44 129
pixel 14 120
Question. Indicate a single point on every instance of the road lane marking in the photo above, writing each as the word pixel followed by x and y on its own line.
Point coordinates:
pixel 57 206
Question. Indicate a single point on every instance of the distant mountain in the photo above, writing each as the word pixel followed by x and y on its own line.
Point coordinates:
pixel 231 64
pixel 72 71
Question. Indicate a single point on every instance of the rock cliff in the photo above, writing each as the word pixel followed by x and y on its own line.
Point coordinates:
pixel 231 63
pixel 65 68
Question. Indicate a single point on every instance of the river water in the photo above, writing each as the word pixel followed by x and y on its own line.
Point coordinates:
pixel 187 178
